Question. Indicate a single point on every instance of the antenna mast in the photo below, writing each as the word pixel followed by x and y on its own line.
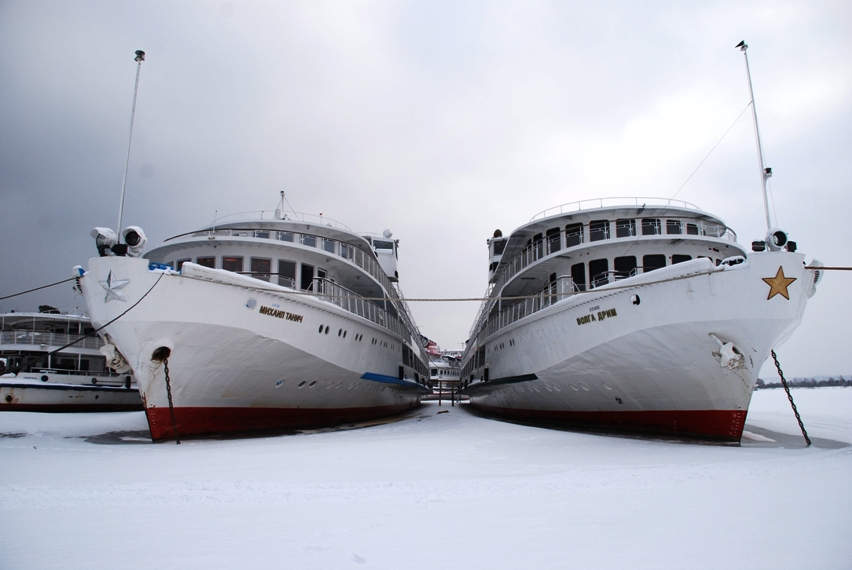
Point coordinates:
pixel 765 173
pixel 140 57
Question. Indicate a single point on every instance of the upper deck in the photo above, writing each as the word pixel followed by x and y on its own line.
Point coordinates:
pixel 609 228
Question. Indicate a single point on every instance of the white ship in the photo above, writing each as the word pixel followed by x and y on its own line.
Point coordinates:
pixel 632 315
pixel 40 372
pixel 259 321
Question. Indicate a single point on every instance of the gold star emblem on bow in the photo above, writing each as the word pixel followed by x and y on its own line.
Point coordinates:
pixel 778 284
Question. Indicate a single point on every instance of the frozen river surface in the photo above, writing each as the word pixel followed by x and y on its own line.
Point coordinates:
pixel 433 490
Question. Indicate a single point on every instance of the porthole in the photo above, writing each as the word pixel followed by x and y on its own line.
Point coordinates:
pixel 44 378
pixel 607 386
pixel 279 383
pixel 302 383
pixel 339 332
pixel 311 384
pixel 344 334
pixel 326 329
pixel 320 329
pixel 573 387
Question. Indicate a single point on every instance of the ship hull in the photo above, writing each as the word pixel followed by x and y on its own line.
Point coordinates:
pixel 645 354
pixel 23 395
pixel 244 355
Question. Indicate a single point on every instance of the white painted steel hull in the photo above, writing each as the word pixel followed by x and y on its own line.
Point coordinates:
pixel 26 392
pixel 235 368
pixel 652 366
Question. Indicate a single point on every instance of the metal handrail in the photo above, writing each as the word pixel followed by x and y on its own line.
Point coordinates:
pixel 611 202
pixel 48 339
pixel 271 215
pixel 555 291
pixel 348 300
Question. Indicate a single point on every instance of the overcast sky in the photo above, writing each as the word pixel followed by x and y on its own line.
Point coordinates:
pixel 441 121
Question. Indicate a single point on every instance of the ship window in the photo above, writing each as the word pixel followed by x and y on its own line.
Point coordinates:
pixel 232 263
pixel 599 272
pixel 598 230
pixel 180 263
pixel 378 244
pixel 307 277
pixel 328 245
pixel 310 241
pixel 573 235
pixel 499 246
pixel 624 266
pixel 677 258
pixel 344 250
pixel 287 273
pixel 261 268
pixel 261 234
pixel 538 245
pixel 206 262
pixel 652 262
pixel 285 236
pixel 625 228
pixel 674 227
pixel 651 227
pixel 692 229
pixel 553 240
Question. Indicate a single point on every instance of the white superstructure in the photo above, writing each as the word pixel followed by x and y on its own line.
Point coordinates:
pixel 632 314
pixel 265 321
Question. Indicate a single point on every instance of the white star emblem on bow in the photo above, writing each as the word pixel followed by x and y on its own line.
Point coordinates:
pixel 113 288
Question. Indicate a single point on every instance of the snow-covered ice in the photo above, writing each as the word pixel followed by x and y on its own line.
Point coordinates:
pixel 433 490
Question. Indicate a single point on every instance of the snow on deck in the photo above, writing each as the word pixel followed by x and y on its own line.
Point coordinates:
pixel 433 490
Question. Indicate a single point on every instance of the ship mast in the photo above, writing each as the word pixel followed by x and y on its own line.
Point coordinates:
pixel 140 57
pixel 765 173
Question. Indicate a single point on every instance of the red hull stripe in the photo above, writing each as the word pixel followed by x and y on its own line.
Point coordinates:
pixel 63 408
pixel 721 425
pixel 203 421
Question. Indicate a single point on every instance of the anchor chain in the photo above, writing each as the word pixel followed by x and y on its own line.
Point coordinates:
pixel 171 406
pixel 790 397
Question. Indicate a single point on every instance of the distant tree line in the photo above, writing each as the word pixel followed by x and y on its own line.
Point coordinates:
pixel 804 383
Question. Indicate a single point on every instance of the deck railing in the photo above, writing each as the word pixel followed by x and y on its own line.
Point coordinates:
pixel 356 304
pixel 49 339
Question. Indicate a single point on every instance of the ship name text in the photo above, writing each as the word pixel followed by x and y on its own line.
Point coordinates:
pixel 595 317
pixel 264 310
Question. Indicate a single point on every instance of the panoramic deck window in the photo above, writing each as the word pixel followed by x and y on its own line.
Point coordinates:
pixel 328 245
pixel 310 241
pixel 651 227
pixel 538 246
pixel 261 234
pixel 285 236
pixel 206 262
pixel 180 263
pixel 554 240
pixel 261 268
pixel 573 235
pixel 599 230
pixel 232 263
pixel 692 229
pixel 678 258
pixel 287 273
pixel 652 262
pixel 674 227
pixel 307 277
pixel 599 272
pixel 624 266
pixel 578 276
pixel 625 228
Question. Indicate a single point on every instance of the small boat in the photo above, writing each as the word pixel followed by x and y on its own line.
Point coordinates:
pixel 633 315
pixel 35 377
pixel 259 321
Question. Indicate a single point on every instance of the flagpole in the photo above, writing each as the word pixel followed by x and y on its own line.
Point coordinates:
pixel 140 57
pixel 765 173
